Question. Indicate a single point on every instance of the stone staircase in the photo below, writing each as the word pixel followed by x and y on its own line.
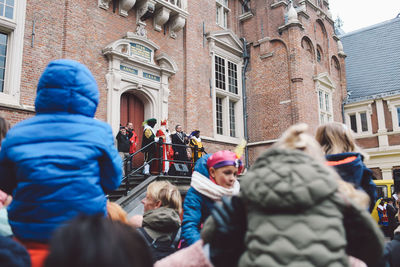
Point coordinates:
pixel 130 200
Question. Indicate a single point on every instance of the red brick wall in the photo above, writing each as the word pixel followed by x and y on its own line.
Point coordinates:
pixel 79 30
pixel 374 118
pixel 377 172
pixel 394 139
pixel 388 117
pixel 369 142
pixel 13 116
pixel 289 73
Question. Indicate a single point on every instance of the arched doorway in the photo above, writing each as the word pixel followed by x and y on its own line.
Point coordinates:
pixel 132 110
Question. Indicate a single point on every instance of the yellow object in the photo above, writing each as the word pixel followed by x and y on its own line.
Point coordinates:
pixel 240 148
pixel 196 142
pixel 384 189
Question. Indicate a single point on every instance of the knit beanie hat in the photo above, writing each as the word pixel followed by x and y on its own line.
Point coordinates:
pixel 224 158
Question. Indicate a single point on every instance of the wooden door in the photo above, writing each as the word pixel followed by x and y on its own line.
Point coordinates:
pixel 132 110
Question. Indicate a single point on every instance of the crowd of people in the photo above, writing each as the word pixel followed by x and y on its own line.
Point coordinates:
pixel 305 201
pixel 177 147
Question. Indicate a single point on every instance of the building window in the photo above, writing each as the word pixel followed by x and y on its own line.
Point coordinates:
pixel 232 123
pixel 325 107
pixel 218 105
pixel 220 73
pixel 227 101
pixel 3 56
pixel 353 123
pixel 318 55
pixel 232 74
pixel 364 123
pixel 398 116
pixel 7 8
pixel 359 120
pixel 222 13
pixel 12 17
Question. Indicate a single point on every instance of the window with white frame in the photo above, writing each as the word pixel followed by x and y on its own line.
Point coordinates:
pixel 12 17
pixel 227 99
pixel 359 120
pixel 394 107
pixel 222 13
pixel 325 106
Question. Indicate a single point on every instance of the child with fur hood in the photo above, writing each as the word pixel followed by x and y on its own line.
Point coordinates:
pixel 213 177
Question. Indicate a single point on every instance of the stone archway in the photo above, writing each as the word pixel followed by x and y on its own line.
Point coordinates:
pixel 133 66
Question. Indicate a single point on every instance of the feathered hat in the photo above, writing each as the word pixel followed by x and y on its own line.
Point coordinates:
pixel 227 158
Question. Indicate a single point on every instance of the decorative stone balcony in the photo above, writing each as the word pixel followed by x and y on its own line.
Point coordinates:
pixel 162 11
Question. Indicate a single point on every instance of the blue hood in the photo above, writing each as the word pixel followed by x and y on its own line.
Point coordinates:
pixel 67 86
pixel 351 172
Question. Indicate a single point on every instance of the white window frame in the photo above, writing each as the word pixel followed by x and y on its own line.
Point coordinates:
pixel 12 77
pixel 226 97
pixel 326 113
pixel 394 103
pixel 222 13
pixel 357 109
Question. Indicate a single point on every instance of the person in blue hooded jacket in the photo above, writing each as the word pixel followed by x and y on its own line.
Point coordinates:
pixel 61 162
pixel 343 154
pixel 214 176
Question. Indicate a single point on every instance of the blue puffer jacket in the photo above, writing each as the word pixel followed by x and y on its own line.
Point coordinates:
pixel 355 172
pixel 196 208
pixel 61 162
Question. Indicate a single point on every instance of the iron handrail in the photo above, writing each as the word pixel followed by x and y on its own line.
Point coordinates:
pixel 161 160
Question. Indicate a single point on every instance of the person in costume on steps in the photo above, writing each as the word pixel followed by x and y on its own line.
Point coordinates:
pixel 149 135
pixel 179 139
pixel 195 140
pixel 168 152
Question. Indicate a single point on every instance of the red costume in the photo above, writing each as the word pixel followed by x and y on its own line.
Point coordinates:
pixel 168 152
pixel 134 140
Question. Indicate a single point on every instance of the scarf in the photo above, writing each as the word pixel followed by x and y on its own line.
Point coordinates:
pixel 211 190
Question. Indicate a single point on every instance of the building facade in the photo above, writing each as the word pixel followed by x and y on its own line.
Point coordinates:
pixel 372 109
pixel 232 69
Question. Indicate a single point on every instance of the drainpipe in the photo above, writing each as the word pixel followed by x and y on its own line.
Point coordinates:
pixel 246 58
pixel 344 102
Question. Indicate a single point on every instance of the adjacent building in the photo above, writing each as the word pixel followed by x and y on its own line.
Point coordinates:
pixel 372 109
pixel 232 69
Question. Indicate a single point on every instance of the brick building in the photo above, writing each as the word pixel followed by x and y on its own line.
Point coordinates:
pixel 230 68
pixel 373 107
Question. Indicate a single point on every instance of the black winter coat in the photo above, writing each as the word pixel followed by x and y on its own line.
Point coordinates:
pixel 392 251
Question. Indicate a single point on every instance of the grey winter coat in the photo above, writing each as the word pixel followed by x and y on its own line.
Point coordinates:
pixel 296 216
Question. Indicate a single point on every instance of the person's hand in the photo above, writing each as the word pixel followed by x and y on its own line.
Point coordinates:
pixel 227 244
pixel 5 199
pixel 136 221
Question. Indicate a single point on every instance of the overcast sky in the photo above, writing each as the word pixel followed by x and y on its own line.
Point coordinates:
pixel 357 14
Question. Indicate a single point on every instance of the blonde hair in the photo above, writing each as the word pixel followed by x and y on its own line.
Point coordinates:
pixel 116 213
pixel 166 193
pixel 335 138
pixel 295 137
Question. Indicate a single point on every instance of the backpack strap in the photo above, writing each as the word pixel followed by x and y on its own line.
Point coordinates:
pixel 150 241
pixel 175 238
